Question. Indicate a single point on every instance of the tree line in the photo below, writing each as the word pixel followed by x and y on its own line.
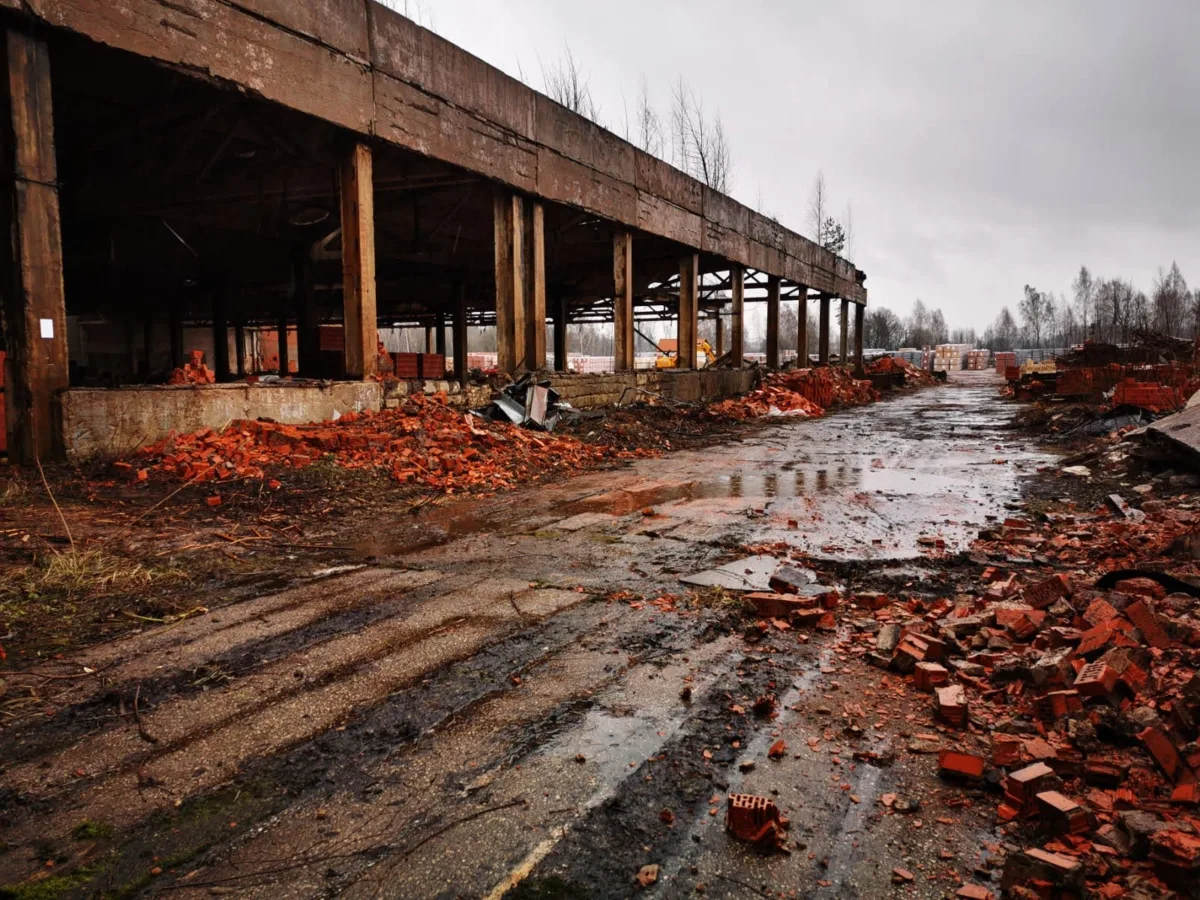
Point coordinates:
pixel 1107 310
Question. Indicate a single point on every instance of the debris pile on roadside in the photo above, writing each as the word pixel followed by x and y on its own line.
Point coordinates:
pixel 527 403
pixel 423 442
pixel 1156 373
pixel 898 366
pixel 802 392
pixel 1061 685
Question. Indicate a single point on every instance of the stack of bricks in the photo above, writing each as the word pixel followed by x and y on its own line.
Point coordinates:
pixel 1022 787
pixel 950 704
pixel 1062 814
pixel 1004 360
pixel 194 371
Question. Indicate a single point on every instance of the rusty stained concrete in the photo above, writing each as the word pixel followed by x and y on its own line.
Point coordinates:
pixel 363 67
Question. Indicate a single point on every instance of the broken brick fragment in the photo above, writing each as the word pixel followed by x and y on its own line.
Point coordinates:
pixel 928 675
pixel 1062 814
pixel 755 820
pixel 950 704
pixel 1096 679
pixel 956 764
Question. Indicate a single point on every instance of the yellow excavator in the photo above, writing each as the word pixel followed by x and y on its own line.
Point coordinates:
pixel 668 350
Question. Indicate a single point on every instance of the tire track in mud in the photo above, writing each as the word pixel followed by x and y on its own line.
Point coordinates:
pixel 205 740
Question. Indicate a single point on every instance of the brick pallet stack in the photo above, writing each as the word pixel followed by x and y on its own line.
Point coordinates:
pixel 978 360
pixel 1004 360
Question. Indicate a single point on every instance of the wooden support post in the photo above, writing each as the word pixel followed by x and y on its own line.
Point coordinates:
pixel 844 343
pixel 772 321
pixel 802 330
pixel 460 332
pixel 858 339
pixel 560 335
pixel 308 339
pixel 33 299
pixel 535 286
pixel 823 332
pixel 737 317
pixel 689 291
pixel 510 281
pixel 220 333
pixel 720 334
pixel 623 353
pixel 285 352
pixel 147 342
pixel 439 335
pixel 239 346
pixel 358 263
pixel 175 326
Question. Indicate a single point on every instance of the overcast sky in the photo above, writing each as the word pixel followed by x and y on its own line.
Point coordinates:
pixel 983 145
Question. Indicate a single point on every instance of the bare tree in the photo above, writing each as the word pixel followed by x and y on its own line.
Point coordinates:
pixel 818 206
pixel 848 229
pixel 1085 298
pixel 649 125
pixel 565 82
pixel 1171 298
pixel 700 145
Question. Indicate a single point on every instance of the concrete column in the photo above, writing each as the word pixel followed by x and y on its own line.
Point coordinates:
pixel 720 334
pixel 802 330
pixel 823 332
pixel 460 332
pixel 439 335
pixel 535 286
pixel 560 334
pixel 622 301
pixel 220 333
pixel 772 322
pixel 737 318
pixel 509 231
pixel 358 263
pixel 689 292
pixel 33 300
pixel 308 340
pixel 175 327
pixel 858 339
pixel 285 352
pixel 430 345
pixel 844 344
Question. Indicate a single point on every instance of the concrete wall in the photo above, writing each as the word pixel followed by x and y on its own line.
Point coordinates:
pixel 115 421
pixel 111 422
pixel 363 67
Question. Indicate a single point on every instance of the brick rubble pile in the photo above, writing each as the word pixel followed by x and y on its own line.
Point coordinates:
pixel 1069 698
pixel 423 442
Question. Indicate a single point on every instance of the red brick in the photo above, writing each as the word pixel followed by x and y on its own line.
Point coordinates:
pixel 954 764
pixel 928 675
pixel 1096 679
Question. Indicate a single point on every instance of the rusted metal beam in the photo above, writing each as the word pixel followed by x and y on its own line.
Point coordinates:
pixel 823 331
pixel 689 289
pixel 737 317
pixel 358 263
pixel 535 286
pixel 773 322
pixel 508 220
pixel 34 303
pixel 858 339
pixel 844 342
pixel 623 352
pixel 802 329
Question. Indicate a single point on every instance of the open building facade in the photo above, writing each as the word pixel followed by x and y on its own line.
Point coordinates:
pixel 310 173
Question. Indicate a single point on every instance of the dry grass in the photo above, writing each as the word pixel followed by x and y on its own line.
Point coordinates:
pixel 63 592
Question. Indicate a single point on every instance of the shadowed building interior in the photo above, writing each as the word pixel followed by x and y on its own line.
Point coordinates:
pixel 184 175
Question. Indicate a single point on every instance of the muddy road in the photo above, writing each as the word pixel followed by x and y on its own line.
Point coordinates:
pixel 518 697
